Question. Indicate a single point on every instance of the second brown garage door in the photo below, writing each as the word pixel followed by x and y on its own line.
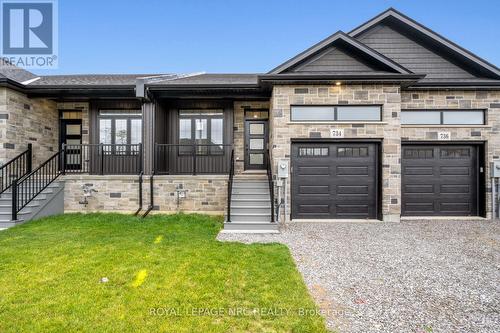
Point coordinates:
pixel 439 180
pixel 334 180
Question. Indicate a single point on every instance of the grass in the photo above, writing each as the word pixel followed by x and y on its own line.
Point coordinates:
pixel 165 274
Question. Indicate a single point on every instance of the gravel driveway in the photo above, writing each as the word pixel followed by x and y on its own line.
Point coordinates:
pixel 438 276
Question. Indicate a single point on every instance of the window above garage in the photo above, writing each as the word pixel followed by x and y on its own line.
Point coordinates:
pixel 443 117
pixel 345 113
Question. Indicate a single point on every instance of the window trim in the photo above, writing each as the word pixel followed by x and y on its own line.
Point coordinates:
pixel 335 113
pixel 441 116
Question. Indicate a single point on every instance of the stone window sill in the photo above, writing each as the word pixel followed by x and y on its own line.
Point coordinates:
pixel 446 126
pixel 336 122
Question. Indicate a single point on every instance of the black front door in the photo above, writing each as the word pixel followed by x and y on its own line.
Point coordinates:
pixel 71 136
pixel 255 144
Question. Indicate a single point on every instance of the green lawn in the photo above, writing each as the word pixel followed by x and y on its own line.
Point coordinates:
pixel 166 274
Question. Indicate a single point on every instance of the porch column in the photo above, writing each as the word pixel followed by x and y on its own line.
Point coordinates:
pixel 148 126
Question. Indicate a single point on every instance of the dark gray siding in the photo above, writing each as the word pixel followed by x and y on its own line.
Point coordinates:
pixel 335 60
pixel 411 54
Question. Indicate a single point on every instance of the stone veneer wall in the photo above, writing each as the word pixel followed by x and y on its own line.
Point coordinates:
pixel 282 130
pixel 239 132
pixel 488 100
pixel 23 121
pixel 205 194
pixel 84 107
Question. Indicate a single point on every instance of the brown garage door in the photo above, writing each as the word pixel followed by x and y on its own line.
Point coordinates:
pixel 334 180
pixel 439 180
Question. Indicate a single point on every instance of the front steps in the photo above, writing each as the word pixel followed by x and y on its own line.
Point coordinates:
pixel 49 202
pixel 251 205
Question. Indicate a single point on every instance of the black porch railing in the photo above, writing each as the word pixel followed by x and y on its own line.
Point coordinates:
pixel 269 170
pixel 16 168
pixel 28 187
pixel 102 159
pixel 176 159
pixel 230 187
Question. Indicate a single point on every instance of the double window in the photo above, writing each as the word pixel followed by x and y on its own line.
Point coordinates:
pixel 336 113
pixel 202 130
pixel 122 128
pixel 443 117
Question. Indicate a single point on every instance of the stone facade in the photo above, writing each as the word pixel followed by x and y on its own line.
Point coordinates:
pixel 283 130
pixel 458 99
pixel 239 129
pixel 203 194
pixel 24 120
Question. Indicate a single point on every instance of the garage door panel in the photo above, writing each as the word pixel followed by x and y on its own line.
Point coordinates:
pixel 350 170
pixel 352 189
pixel 418 189
pixel 315 209
pixel 453 182
pixel 419 170
pixel 313 171
pixel 349 190
pixel 455 189
pixel 455 207
pixel 454 171
pixel 419 207
pixel 351 210
pixel 314 189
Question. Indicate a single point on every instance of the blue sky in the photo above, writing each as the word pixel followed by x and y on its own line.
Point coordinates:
pixel 241 36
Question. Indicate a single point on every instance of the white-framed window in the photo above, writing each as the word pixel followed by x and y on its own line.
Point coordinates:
pixel 342 113
pixel 443 117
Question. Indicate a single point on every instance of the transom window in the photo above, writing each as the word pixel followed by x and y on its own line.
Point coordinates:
pixel 352 151
pixel 336 113
pixel 418 153
pixel 203 130
pixel 317 152
pixel 455 153
pixel 122 128
pixel 443 117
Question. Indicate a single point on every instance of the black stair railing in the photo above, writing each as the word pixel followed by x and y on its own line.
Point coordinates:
pixel 270 180
pixel 25 189
pixel 230 186
pixel 16 168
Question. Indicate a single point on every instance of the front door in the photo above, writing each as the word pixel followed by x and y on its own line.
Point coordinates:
pixel 71 136
pixel 255 144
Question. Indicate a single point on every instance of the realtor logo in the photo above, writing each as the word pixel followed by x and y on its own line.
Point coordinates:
pixel 29 33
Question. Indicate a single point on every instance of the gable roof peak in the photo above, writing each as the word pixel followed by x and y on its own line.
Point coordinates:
pixel 329 41
pixel 442 42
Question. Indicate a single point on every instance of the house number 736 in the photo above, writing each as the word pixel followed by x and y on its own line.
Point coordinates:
pixel 444 136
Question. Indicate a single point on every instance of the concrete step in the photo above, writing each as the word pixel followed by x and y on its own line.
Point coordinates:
pixel 264 185
pixel 9 224
pixel 8 196
pixel 251 196
pixel 8 208
pixel 251 177
pixel 253 217
pixel 7 216
pixel 250 227
pixel 250 190
pixel 251 209
pixel 251 202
